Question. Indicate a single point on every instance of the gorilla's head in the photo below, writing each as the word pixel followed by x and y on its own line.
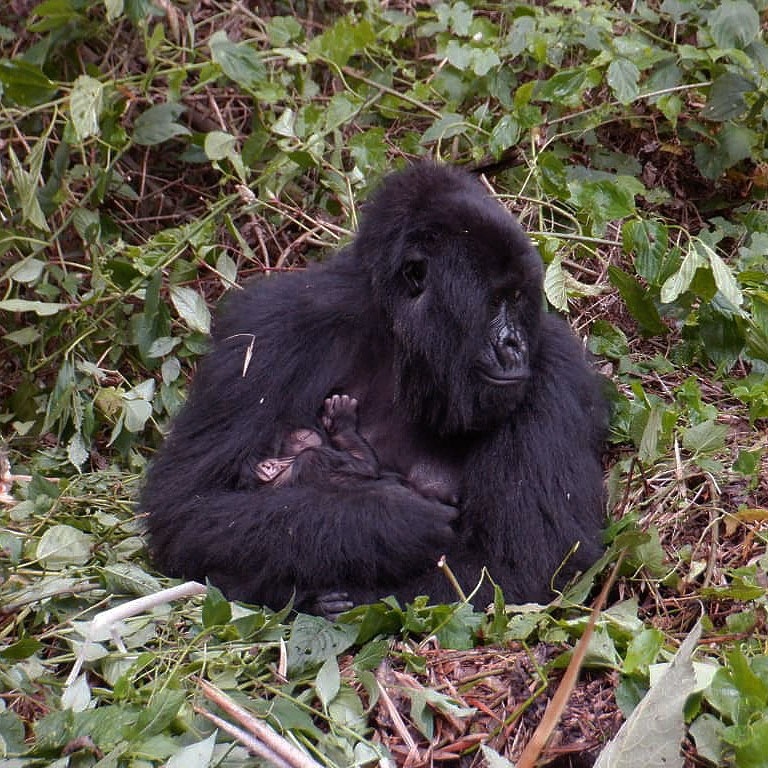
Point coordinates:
pixel 459 284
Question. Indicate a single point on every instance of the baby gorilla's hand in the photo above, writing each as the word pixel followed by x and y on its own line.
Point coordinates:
pixel 339 414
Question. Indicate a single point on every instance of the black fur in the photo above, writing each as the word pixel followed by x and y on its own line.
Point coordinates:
pixel 439 291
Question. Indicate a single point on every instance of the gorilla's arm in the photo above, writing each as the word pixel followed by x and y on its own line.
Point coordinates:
pixel 206 516
pixel 533 489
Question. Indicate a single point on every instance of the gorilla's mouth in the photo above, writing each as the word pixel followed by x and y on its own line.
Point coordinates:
pixel 506 379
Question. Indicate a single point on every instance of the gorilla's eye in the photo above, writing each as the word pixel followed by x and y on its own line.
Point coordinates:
pixel 415 274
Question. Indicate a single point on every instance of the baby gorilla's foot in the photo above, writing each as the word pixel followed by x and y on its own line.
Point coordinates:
pixel 339 414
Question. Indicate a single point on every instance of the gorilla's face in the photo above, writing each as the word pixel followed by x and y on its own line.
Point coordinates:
pixel 461 288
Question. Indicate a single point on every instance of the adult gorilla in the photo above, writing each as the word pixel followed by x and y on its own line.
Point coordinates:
pixel 477 401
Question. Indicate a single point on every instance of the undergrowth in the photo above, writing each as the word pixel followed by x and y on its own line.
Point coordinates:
pixel 154 155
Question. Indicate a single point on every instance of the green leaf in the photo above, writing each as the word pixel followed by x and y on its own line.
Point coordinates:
pixel 313 640
pixel 734 24
pixel 23 648
pixel 159 714
pixel 494 759
pixel 648 242
pixel 484 60
pixel 25 184
pixel 623 77
pixel 136 413
pixel 726 97
pixel 328 681
pixel 705 437
pixel 191 308
pixel 85 104
pixel 678 283
pixel 446 127
pixel 158 124
pixel 284 125
pixel 657 722
pixel 638 302
pixel 25 83
pixel 28 270
pixel 724 280
pixel 643 650
pixel 11 735
pixel 197 755
pixel 556 284
pixel 707 733
pixel 63 545
pixel 217 610
pixel 238 61
pixel 219 145
pixel 342 41
pixel 41 308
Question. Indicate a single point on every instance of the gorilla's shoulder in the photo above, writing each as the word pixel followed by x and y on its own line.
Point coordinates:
pixel 321 293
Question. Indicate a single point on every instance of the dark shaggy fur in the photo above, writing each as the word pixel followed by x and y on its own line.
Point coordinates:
pixel 480 402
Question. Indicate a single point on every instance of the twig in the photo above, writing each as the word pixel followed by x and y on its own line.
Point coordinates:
pixel 106 623
pixel 555 708
pixel 397 721
pixel 442 564
pixel 276 744
pixel 246 739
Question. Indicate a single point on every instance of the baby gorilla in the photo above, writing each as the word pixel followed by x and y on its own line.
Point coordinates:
pixel 306 459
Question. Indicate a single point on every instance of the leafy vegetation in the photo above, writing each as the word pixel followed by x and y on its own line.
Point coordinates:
pixel 156 154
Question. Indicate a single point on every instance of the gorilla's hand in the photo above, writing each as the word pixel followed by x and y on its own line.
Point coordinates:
pixel 331 605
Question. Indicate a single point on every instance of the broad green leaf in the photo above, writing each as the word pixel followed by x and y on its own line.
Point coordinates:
pixel 446 127
pixel 159 714
pixel 707 733
pixel 77 696
pixel 484 60
pixel 219 145
pixel 26 186
pixel 733 143
pixel 226 267
pixel 284 125
pixel 342 41
pixel 705 437
pixel 657 722
pixel 459 55
pixel 638 302
pixel 648 242
pixel 77 450
pixel 85 104
pixel 25 83
pixel 313 640
pixel 11 735
pixel 726 97
pixel 28 270
pixel 197 755
pixel 555 284
pixel 734 24
pixel 724 279
pixel 505 134
pixel 158 124
pixel 63 545
pixel 238 61
pixel 328 681
pixel 191 308
pixel 217 610
pixel 643 651
pixel 648 451
pixel 623 77
pixel 114 9
pixel 494 759
pixel 677 284
pixel 136 413
pixel 129 579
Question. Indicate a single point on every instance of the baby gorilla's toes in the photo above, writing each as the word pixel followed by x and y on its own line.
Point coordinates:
pixel 339 414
